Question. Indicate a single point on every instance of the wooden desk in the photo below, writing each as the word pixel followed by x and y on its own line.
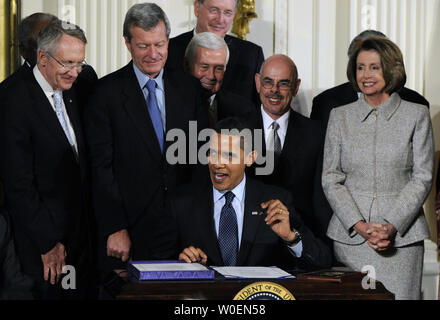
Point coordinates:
pixel 226 289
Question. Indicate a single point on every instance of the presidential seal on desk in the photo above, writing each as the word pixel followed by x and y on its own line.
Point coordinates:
pixel 264 291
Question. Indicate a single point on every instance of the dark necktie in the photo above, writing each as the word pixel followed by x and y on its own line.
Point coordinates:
pixel 228 232
pixel 153 109
pixel 277 141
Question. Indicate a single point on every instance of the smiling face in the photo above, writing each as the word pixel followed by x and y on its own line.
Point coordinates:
pixel 209 67
pixel 214 16
pixel 227 161
pixel 277 85
pixel 369 75
pixel 70 50
pixel 149 49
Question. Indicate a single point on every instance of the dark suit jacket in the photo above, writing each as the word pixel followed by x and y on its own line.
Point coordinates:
pixel 45 182
pixel 230 104
pixel 13 283
pixel 130 175
pixel 344 94
pixel 192 211
pixel 299 170
pixel 245 61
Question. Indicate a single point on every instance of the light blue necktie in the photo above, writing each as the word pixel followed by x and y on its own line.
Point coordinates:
pixel 58 99
pixel 228 232
pixel 154 111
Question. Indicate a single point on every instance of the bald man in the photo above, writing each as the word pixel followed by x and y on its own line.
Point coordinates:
pixel 296 141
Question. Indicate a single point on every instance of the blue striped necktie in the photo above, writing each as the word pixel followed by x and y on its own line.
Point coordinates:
pixel 153 109
pixel 228 232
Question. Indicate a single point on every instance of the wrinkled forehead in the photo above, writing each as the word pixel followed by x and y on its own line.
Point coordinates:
pixel 221 4
pixel 278 71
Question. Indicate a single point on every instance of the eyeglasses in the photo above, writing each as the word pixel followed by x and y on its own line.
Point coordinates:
pixel 216 11
pixel 284 85
pixel 69 66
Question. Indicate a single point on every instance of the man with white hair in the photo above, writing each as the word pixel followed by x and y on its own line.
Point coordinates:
pixel 217 16
pixel 206 58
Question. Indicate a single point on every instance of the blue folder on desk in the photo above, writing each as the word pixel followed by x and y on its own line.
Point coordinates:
pixel 168 270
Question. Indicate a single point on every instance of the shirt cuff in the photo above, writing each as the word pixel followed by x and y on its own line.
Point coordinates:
pixel 297 249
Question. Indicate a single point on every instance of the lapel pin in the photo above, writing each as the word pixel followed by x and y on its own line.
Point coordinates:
pixel 256 213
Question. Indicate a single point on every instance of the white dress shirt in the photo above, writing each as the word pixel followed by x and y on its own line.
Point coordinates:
pixel 49 92
pixel 160 90
pixel 238 204
pixel 283 122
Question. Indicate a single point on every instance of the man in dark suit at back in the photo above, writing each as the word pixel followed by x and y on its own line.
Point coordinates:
pixel 216 16
pixel 127 120
pixel 345 93
pixel 206 58
pixel 292 141
pixel 44 166
pixel 234 220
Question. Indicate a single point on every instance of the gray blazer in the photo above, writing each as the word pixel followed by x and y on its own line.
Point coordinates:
pixel 378 167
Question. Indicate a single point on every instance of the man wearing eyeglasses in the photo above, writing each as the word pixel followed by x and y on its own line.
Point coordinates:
pixel 28 30
pixel 217 16
pixel 297 142
pixel 44 165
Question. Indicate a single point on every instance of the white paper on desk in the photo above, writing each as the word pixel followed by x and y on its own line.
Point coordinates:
pixel 253 272
pixel 169 267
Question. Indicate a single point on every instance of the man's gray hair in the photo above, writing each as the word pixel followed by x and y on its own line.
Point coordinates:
pixel 50 36
pixel 146 16
pixel 236 3
pixel 26 36
pixel 206 40
pixel 364 35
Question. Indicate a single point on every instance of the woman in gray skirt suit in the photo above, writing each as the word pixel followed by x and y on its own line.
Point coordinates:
pixel 378 171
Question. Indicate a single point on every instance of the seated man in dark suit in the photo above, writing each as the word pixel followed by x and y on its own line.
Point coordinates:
pixel 236 220
pixel 206 58
pixel 216 16
pixel 295 141
pixel 345 93
pixel 14 285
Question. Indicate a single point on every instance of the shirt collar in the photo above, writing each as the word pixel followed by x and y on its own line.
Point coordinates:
pixel 238 191
pixel 388 108
pixel 143 78
pixel 283 121
pixel 47 88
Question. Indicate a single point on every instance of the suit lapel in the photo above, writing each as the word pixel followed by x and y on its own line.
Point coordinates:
pixel 205 217
pixel 173 105
pixel 136 107
pixel 45 110
pixel 232 54
pixel 251 222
